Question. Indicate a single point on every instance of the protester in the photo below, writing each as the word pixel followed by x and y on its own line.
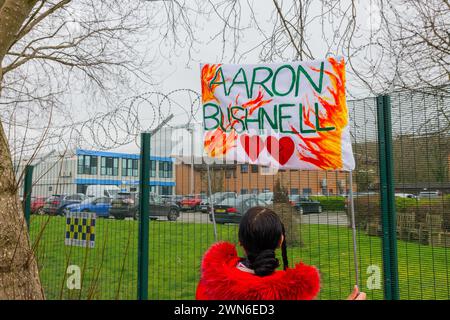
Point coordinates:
pixel 226 276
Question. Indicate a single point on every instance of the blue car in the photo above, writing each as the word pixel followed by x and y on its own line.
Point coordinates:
pixel 99 205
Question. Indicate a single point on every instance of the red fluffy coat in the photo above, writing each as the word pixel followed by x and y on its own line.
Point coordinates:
pixel 222 280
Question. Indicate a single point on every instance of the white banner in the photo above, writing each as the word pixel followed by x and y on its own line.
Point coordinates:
pixel 291 115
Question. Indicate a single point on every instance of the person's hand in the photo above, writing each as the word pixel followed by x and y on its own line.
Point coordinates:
pixel 356 294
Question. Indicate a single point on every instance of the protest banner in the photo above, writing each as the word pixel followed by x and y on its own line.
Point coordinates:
pixel 287 115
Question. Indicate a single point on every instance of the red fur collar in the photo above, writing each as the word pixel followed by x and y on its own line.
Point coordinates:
pixel 221 280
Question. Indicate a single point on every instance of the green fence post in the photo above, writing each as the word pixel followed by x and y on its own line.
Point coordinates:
pixel 27 188
pixel 387 199
pixel 391 198
pixel 144 204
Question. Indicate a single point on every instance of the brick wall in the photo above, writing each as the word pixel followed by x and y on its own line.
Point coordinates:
pixel 237 180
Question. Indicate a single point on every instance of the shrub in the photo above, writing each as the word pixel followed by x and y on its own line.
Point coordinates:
pixel 367 210
pixel 331 203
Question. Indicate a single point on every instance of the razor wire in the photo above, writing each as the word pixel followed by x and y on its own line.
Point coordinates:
pixel 114 128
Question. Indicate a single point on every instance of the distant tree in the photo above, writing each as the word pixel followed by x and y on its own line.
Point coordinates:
pixel 364 179
pixel 280 193
pixel 217 179
pixel 421 158
pixel 289 216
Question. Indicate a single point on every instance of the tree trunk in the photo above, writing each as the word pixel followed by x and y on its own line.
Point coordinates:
pixel 19 277
pixel 292 221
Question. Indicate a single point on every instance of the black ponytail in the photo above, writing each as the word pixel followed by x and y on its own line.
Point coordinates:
pixel 263 263
pixel 260 232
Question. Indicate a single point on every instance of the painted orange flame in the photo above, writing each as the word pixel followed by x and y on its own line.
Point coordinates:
pixel 218 142
pixel 324 149
pixel 251 106
pixel 256 103
pixel 208 73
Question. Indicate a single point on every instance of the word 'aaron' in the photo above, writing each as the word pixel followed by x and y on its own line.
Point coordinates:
pixel 280 119
pixel 283 81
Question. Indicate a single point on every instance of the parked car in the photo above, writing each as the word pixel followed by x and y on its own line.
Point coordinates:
pixel 266 196
pixel 172 198
pixel 100 190
pixel 192 202
pixel 406 195
pixel 99 205
pixel 56 204
pixel 305 205
pixel 126 205
pixel 429 194
pixel 37 205
pixel 216 198
pixel 231 210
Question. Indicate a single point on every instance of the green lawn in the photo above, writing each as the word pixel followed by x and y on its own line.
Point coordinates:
pixel 176 249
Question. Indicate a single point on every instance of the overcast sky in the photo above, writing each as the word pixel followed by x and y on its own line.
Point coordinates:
pixel 177 71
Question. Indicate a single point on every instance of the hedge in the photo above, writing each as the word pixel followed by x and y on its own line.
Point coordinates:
pixel 331 203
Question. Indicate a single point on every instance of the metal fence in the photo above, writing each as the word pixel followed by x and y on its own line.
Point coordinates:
pixel 81 253
pixel 401 183
pixel 421 156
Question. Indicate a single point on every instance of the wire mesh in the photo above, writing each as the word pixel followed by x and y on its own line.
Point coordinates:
pixel 106 184
pixel 421 144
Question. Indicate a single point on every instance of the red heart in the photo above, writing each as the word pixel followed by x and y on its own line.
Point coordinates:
pixel 253 145
pixel 281 150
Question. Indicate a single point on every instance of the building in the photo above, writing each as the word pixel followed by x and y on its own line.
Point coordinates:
pixel 246 178
pixel 73 174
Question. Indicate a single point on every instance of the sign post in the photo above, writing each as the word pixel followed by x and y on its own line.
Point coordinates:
pixel 213 217
pixel 353 222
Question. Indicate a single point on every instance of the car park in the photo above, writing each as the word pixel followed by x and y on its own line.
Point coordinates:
pixel 56 203
pixel 98 205
pixel 126 205
pixel 231 210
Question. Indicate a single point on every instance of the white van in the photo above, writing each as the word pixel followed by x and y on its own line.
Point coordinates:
pixel 100 190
